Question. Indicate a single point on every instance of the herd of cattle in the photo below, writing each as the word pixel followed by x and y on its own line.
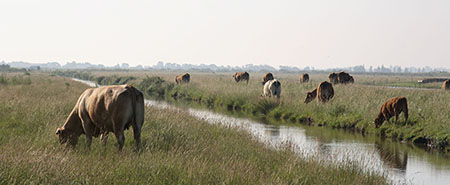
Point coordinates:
pixel 105 109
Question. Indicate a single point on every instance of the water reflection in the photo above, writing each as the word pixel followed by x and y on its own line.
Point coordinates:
pixel 392 156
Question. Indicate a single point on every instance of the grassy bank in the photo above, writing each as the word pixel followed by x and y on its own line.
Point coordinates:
pixel 353 107
pixel 177 148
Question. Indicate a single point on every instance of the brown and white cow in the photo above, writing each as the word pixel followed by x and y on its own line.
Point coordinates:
pixel 324 92
pixel 267 77
pixel 304 78
pixel 272 88
pixel 393 107
pixel 240 76
pixel 446 85
pixel 183 78
pixel 105 109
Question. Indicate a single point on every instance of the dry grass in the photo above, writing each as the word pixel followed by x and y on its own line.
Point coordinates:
pixel 177 148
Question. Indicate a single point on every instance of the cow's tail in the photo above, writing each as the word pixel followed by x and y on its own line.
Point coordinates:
pixel 133 93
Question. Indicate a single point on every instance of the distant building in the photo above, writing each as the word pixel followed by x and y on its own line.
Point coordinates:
pixel 34 68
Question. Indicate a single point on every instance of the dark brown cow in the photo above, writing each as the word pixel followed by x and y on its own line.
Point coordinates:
pixel 240 76
pixel 267 77
pixel 105 109
pixel 393 107
pixel 446 85
pixel 344 78
pixel 304 78
pixel 333 78
pixel 324 92
pixel 183 78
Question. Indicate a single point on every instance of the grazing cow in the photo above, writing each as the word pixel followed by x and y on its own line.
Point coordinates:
pixel 324 92
pixel 240 76
pixel 446 85
pixel 393 107
pixel 333 78
pixel 304 78
pixel 105 109
pixel 344 78
pixel 183 78
pixel 267 77
pixel 272 88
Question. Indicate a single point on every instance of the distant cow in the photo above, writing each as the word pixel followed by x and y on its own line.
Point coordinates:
pixel 304 78
pixel 272 88
pixel 267 77
pixel 105 109
pixel 344 78
pixel 393 107
pixel 446 85
pixel 333 78
pixel 240 76
pixel 324 92
pixel 183 78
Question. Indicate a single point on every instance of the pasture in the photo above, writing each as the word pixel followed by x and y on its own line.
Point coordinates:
pixel 176 148
pixel 353 107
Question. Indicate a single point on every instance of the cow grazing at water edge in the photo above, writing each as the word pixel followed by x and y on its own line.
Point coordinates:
pixel 105 109
pixel 272 88
pixel 446 85
pixel 393 107
pixel 240 76
pixel 183 78
pixel 304 78
pixel 267 77
pixel 324 92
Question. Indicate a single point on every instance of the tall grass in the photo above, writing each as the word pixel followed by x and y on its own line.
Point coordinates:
pixel 177 148
pixel 353 107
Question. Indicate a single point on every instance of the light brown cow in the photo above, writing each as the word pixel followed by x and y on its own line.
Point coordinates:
pixel 183 78
pixel 267 77
pixel 304 78
pixel 446 85
pixel 240 76
pixel 393 107
pixel 105 109
pixel 324 92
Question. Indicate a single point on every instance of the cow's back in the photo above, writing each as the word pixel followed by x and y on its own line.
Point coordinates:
pixel 325 91
pixel 109 105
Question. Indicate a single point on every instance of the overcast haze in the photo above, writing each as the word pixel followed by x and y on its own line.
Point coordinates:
pixel 319 33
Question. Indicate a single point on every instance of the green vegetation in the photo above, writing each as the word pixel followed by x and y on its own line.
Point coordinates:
pixel 15 79
pixel 177 148
pixel 353 107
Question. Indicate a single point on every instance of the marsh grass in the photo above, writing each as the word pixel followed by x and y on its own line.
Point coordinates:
pixel 176 148
pixel 353 107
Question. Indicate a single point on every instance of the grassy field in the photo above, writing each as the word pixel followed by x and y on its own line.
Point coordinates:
pixel 177 148
pixel 353 107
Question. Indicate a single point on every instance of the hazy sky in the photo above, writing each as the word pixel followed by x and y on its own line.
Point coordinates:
pixel 319 33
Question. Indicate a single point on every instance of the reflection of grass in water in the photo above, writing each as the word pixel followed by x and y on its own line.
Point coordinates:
pixel 177 148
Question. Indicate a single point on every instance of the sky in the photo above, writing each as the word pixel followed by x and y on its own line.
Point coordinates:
pixel 318 33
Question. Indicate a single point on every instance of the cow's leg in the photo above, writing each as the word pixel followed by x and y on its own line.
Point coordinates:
pixel 89 129
pixel 137 135
pixel 120 139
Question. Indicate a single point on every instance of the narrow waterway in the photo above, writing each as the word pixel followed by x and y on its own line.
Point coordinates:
pixel 402 163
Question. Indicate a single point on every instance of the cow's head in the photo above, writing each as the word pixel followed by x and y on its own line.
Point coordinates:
pixel 66 137
pixel 310 96
pixel 379 121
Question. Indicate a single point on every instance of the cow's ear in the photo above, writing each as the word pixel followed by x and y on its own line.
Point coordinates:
pixel 59 131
